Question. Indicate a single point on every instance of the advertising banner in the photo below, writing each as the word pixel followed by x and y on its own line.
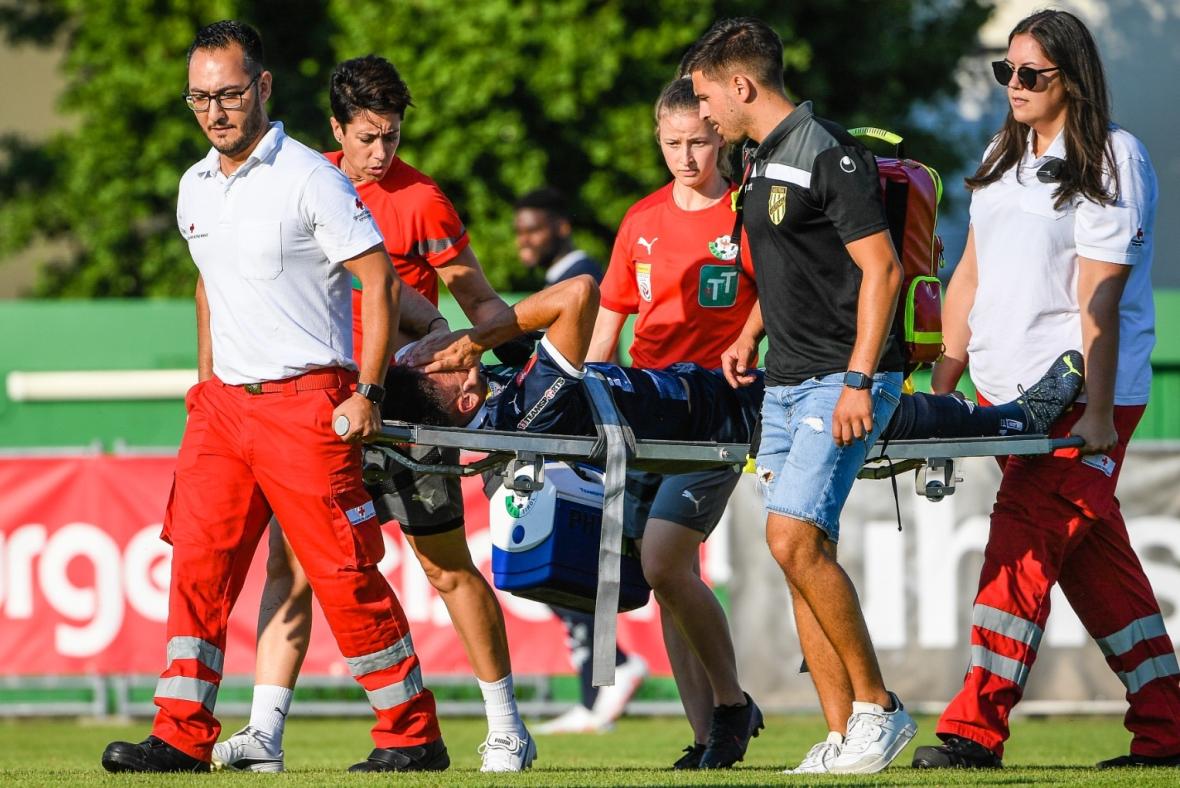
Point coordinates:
pixel 84 581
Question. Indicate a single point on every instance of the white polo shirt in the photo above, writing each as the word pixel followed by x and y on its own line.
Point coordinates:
pixel 1026 304
pixel 270 241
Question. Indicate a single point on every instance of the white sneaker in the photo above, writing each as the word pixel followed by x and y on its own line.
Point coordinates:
pixel 612 700
pixel 577 719
pixel 507 752
pixel 874 738
pixel 819 756
pixel 245 752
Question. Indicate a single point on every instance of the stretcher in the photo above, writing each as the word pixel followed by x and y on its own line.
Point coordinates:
pixel 520 458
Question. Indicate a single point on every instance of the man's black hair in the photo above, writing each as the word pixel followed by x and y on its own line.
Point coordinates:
pixel 545 199
pixel 370 83
pixel 226 33
pixel 732 44
pixel 411 396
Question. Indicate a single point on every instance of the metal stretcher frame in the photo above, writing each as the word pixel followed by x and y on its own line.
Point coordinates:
pixel 617 450
pixel 501 447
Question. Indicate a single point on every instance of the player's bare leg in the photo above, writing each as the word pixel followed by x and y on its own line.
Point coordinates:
pixel 692 682
pixel 474 611
pixel 670 564
pixel 831 681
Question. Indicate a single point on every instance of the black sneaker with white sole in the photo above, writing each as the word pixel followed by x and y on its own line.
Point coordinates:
pixel 153 754
pixel 1044 401
pixel 955 752
pixel 730 732
pixel 429 757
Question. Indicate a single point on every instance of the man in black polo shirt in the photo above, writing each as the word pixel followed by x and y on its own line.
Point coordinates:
pixel 828 278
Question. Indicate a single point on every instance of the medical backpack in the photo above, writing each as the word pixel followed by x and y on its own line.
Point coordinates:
pixel 911 192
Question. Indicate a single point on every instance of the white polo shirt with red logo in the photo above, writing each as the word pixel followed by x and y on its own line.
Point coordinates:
pixel 1026 304
pixel 270 241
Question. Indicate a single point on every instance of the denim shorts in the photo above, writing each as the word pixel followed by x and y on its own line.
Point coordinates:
pixel 804 474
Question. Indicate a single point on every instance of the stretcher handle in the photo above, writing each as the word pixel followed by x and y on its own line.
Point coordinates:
pixel 1069 442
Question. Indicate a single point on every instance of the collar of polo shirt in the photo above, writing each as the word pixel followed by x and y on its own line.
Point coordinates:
pixel 265 149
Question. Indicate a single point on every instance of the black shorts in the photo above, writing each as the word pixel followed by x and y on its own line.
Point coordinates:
pixel 423 504
pixel 695 500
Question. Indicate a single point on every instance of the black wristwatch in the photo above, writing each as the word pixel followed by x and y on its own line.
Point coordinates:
pixel 371 391
pixel 858 380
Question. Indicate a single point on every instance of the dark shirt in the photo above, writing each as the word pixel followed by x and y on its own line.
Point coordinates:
pixel 682 402
pixel 813 188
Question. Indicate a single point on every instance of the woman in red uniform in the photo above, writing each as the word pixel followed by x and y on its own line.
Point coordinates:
pixel 674 267
pixel 1059 257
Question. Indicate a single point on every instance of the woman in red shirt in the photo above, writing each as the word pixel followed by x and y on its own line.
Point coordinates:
pixel 674 267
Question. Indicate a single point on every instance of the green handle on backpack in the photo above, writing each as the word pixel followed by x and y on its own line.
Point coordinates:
pixel 877 134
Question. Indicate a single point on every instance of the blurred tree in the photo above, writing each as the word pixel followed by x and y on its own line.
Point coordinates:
pixel 108 186
pixel 509 94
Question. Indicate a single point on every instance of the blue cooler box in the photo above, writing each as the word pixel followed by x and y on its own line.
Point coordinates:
pixel 545 543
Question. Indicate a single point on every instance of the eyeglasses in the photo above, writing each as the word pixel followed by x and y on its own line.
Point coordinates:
pixel 226 99
pixel 1026 74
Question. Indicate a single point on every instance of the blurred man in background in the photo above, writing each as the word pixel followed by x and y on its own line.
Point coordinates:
pixel 544 237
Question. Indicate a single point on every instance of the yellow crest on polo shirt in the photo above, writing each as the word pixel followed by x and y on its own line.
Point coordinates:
pixel 776 206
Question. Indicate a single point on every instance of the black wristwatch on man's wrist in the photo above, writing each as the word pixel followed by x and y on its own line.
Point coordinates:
pixel 858 380
pixel 372 392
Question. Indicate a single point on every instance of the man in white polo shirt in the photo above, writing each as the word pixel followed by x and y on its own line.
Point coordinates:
pixel 277 232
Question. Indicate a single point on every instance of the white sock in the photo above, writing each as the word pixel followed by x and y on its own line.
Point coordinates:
pixel 499 703
pixel 268 715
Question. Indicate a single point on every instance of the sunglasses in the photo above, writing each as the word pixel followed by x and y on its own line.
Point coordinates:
pixel 1027 75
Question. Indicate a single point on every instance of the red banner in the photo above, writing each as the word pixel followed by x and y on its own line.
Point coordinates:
pixel 84 581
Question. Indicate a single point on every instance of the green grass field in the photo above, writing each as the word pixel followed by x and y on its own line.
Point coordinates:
pixel 1056 751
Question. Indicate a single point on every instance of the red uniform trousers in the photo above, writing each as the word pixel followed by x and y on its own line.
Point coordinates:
pixel 1056 520
pixel 243 457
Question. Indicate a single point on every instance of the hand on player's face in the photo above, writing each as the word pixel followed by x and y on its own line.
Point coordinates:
pixel 445 351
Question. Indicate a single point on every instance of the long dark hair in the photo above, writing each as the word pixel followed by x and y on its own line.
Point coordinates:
pixel 1089 157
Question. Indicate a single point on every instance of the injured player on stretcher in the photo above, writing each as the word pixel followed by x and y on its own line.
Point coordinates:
pixel 439 381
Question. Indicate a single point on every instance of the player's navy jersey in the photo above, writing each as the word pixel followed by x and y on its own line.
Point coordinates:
pixel 680 402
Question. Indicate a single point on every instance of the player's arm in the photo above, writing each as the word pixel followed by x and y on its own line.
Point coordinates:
pixel 380 297
pixel 465 278
pixel 740 357
pixel 567 310
pixel 204 336
pixel 956 333
pixel 417 317
pixel 880 282
pixel 1100 289
pixel 604 341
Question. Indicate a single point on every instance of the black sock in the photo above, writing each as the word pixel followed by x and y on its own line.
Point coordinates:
pixel 942 416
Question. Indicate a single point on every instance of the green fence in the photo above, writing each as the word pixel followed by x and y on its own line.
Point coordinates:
pixel 148 335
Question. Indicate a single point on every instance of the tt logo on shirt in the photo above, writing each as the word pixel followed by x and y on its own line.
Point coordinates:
pixel 718 286
pixel 776 206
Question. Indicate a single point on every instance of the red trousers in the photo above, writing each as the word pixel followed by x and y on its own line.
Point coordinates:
pixel 243 457
pixel 1056 520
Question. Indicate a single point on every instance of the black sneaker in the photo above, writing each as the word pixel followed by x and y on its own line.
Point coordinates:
pixel 730 732
pixel 691 758
pixel 153 754
pixel 1044 401
pixel 1140 761
pixel 430 757
pixel 956 753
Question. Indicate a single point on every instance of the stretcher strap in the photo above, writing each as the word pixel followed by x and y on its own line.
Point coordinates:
pixel 620 442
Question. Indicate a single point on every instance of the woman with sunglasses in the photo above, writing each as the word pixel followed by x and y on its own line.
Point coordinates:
pixel 1059 257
